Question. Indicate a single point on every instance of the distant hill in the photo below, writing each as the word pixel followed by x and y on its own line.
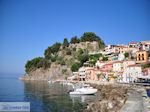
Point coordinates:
pixel 61 59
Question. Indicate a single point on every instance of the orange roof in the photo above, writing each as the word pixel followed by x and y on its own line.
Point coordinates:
pixel 134 65
pixel 121 46
pixel 117 62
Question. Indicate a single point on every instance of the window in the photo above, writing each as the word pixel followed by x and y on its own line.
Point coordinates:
pixel 142 56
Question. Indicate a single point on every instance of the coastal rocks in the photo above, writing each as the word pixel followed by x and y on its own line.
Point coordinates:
pixel 53 73
pixel 112 99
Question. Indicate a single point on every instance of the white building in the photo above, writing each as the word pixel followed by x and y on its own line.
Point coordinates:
pixel 145 45
pixel 82 73
pixel 110 49
pixel 121 57
pixel 118 66
pixel 131 73
pixel 100 64
pixel 127 63
pixel 133 44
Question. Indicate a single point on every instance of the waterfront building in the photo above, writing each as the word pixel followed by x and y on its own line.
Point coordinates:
pixel 82 74
pixel 126 63
pixel 131 73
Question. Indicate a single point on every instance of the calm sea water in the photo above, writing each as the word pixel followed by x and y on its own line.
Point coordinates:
pixel 42 96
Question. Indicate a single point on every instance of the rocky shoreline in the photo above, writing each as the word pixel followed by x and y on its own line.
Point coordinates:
pixel 111 98
pixel 119 98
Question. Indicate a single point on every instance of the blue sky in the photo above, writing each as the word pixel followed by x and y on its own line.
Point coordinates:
pixel 27 27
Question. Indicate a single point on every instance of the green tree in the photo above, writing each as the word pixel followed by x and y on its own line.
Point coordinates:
pixel 83 58
pixel 95 56
pixel 75 67
pixel 55 47
pixel 126 54
pixel 90 36
pixel 65 42
pixel 52 50
pixel 74 40
pixel 53 58
pixel 80 51
pixel 105 59
pixel 147 65
pixel 36 63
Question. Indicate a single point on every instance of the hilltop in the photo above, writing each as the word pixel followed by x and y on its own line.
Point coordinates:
pixel 61 59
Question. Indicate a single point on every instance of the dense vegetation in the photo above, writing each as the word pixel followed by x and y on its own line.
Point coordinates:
pixel 147 65
pixel 35 63
pixel 74 40
pixel 52 50
pixel 90 36
pixel 62 54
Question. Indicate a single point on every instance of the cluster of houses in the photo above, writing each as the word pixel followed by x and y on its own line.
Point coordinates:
pixel 118 67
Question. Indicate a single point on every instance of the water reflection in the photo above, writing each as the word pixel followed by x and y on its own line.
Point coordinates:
pixel 52 98
pixel 83 98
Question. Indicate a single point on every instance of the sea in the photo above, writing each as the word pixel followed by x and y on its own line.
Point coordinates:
pixel 43 97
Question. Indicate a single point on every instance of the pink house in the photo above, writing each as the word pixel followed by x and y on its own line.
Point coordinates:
pixel 108 67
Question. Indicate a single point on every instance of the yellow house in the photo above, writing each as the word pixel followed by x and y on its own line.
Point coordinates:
pixel 142 56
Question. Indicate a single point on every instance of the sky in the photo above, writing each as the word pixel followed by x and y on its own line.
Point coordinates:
pixel 28 27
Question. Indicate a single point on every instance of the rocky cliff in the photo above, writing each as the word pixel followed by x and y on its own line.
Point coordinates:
pixel 53 73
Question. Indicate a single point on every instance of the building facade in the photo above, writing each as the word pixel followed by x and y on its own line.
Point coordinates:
pixel 131 73
pixel 142 56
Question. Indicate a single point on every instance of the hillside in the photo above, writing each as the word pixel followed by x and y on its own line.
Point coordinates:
pixel 61 59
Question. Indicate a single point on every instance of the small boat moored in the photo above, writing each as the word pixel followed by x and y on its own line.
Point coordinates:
pixel 83 90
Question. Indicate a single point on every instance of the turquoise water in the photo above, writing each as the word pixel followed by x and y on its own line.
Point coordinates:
pixel 42 96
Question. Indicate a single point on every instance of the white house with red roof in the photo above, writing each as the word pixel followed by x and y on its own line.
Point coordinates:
pixel 133 44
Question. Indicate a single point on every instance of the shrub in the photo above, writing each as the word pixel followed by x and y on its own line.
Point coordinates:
pixel 105 59
pixel 65 43
pixel 75 67
pixel 126 54
pixel 68 52
pixel 90 36
pixel 52 50
pixel 147 65
pixel 74 40
pixel 36 63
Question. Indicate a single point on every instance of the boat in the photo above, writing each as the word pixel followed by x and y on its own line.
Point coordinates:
pixel 51 82
pixel 85 89
pixel 67 83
